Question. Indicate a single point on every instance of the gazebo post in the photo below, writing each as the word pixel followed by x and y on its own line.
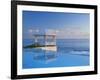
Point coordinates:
pixel 36 40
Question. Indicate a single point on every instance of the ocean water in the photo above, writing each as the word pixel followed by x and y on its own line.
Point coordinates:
pixel 70 52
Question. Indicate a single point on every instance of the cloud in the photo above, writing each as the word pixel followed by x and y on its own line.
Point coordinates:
pixel 72 33
pixel 63 33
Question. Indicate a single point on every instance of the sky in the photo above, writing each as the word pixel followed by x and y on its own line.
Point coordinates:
pixel 67 25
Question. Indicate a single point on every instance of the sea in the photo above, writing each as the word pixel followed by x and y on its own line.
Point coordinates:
pixel 70 53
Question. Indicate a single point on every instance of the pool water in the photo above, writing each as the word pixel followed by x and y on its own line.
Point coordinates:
pixel 70 52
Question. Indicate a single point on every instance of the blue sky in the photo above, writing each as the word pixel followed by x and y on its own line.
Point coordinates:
pixel 69 25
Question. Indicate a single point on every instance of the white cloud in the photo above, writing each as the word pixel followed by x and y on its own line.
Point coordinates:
pixel 70 33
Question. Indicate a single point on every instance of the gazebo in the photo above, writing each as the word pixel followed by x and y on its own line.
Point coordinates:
pixel 49 41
